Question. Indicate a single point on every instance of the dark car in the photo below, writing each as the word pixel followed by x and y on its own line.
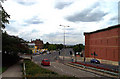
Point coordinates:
pixel 95 61
pixel 45 62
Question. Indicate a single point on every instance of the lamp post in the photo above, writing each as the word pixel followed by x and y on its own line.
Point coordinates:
pixel 64 39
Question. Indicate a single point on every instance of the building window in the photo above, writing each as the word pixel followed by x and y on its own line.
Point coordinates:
pixel 107 42
pixel 116 41
pixel 106 52
pixel 95 41
pixel 113 53
pixel 101 41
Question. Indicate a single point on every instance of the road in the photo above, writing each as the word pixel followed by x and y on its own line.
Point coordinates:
pixel 60 67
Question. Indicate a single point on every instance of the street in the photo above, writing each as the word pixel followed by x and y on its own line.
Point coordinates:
pixel 60 68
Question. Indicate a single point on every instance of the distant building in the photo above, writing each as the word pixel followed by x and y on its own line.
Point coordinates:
pixel 32 47
pixel 105 43
pixel 38 43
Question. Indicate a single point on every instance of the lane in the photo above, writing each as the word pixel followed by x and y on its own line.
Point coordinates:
pixel 72 71
pixel 67 70
pixel 61 68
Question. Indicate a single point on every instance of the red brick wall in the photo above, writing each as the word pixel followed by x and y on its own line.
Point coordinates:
pixel 104 44
pixel 119 44
pixel 87 45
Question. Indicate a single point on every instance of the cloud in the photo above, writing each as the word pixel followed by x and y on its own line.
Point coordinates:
pixel 62 5
pixel 33 20
pixel 26 2
pixel 13 30
pixel 40 19
pixel 12 21
pixel 114 18
pixel 34 31
pixel 88 15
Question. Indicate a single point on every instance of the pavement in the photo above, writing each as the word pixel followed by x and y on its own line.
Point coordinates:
pixel 101 65
pixel 13 72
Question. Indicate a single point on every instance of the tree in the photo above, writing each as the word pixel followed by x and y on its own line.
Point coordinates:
pixel 11 46
pixel 3 17
pixel 52 47
pixel 46 45
pixel 59 46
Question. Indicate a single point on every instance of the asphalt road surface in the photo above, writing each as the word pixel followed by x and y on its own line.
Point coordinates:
pixel 60 67
pixel 67 70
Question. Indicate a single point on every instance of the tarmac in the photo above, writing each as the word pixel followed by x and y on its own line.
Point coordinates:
pixel 13 72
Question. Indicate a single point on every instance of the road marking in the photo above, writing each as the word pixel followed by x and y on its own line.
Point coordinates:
pixel 54 66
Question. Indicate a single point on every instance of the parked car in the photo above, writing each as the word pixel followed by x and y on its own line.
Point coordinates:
pixel 95 61
pixel 45 62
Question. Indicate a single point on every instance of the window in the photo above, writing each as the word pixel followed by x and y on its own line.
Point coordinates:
pixel 106 52
pixel 113 53
pixel 95 41
pixel 116 41
pixel 107 41
pixel 101 41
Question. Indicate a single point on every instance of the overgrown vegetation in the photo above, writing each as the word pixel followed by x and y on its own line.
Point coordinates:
pixel 4 16
pixel 3 69
pixel 11 46
pixel 33 70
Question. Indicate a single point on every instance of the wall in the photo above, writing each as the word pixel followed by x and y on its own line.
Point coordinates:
pixel 105 44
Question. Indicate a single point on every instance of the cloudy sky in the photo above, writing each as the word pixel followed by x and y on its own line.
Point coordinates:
pixel 40 19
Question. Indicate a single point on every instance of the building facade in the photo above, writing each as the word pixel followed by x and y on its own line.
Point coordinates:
pixel 32 47
pixel 38 43
pixel 105 43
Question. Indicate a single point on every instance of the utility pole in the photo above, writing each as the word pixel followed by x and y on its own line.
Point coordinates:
pixel 64 40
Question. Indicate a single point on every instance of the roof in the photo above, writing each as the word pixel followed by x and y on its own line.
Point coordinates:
pixel 109 28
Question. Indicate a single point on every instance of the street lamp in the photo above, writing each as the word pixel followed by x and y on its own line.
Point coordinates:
pixel 64 39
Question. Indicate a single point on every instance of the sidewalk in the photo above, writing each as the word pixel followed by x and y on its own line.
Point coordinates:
pixel 15 71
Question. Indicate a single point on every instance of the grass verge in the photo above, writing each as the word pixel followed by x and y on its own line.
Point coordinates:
pixel 3 69
pixel 34 70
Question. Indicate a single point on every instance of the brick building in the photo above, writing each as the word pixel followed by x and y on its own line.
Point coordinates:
pixel 38 43
pixel 105 43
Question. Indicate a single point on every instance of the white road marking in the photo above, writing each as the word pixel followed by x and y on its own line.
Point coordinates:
pixel 54 66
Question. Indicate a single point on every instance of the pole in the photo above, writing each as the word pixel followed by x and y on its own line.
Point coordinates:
pixel 64 42
pixel 84 55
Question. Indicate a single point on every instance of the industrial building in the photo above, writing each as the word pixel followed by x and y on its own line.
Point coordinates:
pixel 105 43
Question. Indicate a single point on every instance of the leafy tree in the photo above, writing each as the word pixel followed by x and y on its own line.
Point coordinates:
pixel 46 45
pixel 3 17
pixel 78 47
pixel 52 47
pixel 59 46
pixel 11 45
